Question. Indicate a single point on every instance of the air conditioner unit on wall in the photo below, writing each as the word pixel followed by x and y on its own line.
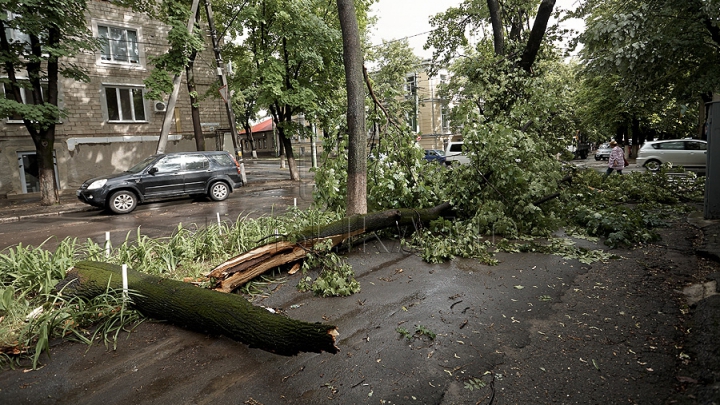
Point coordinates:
pixel 160 106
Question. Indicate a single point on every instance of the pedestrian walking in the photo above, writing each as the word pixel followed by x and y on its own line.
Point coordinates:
pixel 616 161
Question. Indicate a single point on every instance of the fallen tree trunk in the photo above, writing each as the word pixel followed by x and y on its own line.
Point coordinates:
pixel 203 310
pixel 243 268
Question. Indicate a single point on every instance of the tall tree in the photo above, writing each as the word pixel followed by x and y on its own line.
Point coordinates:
pixel 501 64
pixel 357 155
pixel 508 19
pixel 662 52
pixel 43 34
pixel 296 47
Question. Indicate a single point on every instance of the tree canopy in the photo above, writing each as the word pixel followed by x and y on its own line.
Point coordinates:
pixel 37 40
pixel 651 62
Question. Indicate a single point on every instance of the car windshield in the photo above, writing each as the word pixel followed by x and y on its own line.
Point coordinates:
pixel 142 165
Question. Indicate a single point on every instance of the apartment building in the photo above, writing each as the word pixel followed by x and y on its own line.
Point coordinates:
pixel 110 125
pixel 430 117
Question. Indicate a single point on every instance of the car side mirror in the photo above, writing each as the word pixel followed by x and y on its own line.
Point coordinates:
pixel 153 170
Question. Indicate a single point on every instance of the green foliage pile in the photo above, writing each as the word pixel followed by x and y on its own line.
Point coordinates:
pixel 336 278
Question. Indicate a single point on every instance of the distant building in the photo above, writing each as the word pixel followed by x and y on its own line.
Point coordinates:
pixel 110 124
pixel 431 116
pixel 264 135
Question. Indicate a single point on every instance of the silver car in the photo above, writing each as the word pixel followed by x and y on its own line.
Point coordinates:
pixel 688 153
pixel 603 152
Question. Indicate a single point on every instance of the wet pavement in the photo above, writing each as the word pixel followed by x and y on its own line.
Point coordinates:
pixel 532 329
pixel 269 192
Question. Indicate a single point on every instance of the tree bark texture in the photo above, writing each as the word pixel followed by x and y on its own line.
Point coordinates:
pixel 203 310
pixel 357 154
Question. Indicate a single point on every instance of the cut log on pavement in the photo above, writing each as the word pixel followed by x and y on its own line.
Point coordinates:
pixel 243 268
pixel 203 310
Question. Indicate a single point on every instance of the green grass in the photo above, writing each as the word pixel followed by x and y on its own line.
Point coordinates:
pixel 32 311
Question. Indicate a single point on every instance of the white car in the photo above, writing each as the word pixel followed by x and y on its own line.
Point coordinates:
pixel 454 153
pixel 688 153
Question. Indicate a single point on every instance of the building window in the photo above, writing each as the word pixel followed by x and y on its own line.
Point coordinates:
pixel 411 95
pixel 29 173
pixel 27 98
pixel 13 34
pixel 445 117
pixel 125 103
pixel 118 44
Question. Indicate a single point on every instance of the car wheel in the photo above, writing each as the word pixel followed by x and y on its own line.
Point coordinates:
pixel 653 165
pixel 597 158
pixel 219 191
pixel 122 202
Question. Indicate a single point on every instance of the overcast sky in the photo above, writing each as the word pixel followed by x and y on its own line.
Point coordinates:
pixel 410 18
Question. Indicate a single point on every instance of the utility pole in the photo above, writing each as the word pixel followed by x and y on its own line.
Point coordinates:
pixel 223 83
pixel 177 80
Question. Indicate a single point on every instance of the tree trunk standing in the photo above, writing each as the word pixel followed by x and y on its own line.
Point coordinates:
pixel 290 156
pixel 250 138
pixel 203 310
pixel 357 154
pixel 44 138
pixel 46 167
pixel 192 90
pixel 281 150
pixel 536 34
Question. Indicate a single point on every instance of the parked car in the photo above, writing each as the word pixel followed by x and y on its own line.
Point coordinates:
pixel 580 150
pixel 434 155
pixel 603 152
pixel 688 153
pixel 454 153
pixel 214 174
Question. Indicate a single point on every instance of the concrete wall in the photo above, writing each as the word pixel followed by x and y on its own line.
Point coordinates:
pixel 80 155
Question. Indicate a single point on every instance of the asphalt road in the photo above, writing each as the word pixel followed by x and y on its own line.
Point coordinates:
pixel 532 329
pixel 269 192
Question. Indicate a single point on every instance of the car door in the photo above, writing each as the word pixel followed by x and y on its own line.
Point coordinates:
pixel 196 173
pixel 673 152
pixel 164 178
pixel 696 154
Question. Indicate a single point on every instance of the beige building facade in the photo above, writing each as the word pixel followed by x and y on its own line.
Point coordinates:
pixel 110 125
pixel 431 114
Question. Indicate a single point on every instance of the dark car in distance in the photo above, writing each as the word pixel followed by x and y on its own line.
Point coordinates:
pixel 214 174
pixel 434 155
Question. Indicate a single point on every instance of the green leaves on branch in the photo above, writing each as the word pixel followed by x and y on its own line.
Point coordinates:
pixel 336 278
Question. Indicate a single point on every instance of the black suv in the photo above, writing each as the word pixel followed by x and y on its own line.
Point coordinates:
pixel 215 174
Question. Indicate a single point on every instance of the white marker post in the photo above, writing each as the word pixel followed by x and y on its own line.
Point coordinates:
pixel 295 202
pixel 124 281
pixel 107 244
pixel 219 227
